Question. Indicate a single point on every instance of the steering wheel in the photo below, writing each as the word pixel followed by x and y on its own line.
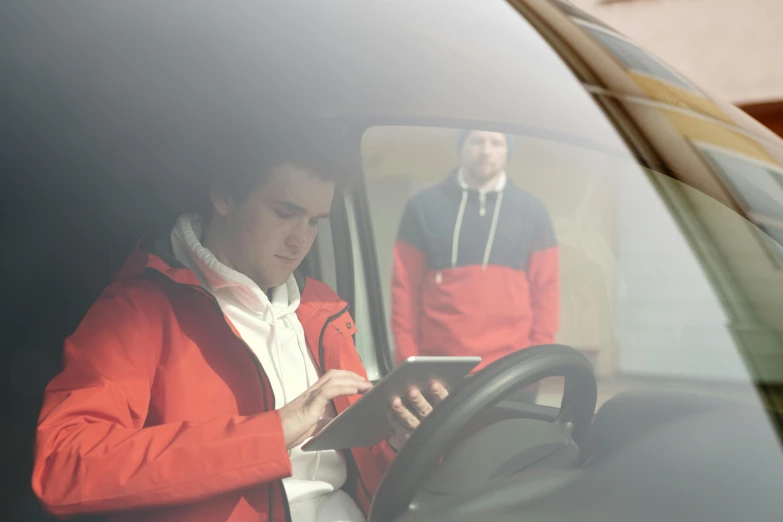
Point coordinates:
pixel 443 427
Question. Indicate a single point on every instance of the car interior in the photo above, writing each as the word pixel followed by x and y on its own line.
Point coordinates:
pixel 114 114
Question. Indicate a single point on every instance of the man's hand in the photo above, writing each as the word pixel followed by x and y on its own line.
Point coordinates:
pixel 303 416
pixel 405 420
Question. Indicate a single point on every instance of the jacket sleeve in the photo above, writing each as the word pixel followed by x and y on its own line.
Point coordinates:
pixel 409 271
pixel 94 452
pixel 544 276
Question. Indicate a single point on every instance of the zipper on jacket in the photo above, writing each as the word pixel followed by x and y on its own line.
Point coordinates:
pixel 348 454
pixel 261 377
pixel 284 496
pixel 261 374
pixel 321 338
pixel 259 369
pixel 482 204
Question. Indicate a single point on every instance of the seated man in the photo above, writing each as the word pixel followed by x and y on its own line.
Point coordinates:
pixel 193 380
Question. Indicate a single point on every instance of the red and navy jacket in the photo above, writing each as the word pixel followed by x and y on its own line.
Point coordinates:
pixel 474 273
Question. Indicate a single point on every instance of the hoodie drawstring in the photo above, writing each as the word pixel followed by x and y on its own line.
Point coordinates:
pixel 278 362
pixel 458 227
pixel 279 375
pixel 493 227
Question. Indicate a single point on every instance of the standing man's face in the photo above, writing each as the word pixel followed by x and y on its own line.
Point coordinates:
pixel 484 155
pixel 267 236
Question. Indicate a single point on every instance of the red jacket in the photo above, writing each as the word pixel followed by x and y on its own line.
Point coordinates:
pixel 162 412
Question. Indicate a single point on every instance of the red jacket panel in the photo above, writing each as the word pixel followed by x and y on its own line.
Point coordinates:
pixel 162 412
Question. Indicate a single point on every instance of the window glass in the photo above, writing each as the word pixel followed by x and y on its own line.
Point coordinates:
pixel 635 58
pixel 758 185
pixel 776 233
pixel 574 12
pixel 498 203
pixel 583 251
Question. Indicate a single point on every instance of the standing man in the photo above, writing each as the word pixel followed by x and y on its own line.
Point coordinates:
pixel 475 262
pixel 195 377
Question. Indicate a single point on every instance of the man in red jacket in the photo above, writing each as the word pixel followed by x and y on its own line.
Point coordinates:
pixel 475 262
pixel 193 380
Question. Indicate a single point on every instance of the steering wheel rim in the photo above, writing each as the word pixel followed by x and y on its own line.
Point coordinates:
pixel 420 455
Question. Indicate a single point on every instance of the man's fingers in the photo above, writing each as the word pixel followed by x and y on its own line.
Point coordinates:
pixel 421 407
pixel 332 375
pixel 406 418
pixel 339 389
pixel 438 392
pixel 303 416
pixel 341 379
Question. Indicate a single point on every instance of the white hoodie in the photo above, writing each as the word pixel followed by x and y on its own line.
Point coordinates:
pixel 272 330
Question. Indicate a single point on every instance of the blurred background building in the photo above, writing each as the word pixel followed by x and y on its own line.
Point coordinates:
pixel 731 48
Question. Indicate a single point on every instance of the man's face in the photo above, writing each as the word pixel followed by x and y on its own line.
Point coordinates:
pixel 271 232
pixel 484 154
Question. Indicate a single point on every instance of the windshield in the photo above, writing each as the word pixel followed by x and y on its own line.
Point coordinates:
pixel 645 263
pixel 633 294
pixel 480 178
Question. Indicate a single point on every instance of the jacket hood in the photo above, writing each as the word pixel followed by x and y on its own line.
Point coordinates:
pixel 154 254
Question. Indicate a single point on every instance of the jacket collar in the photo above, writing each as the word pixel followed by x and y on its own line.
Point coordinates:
pixel 454 186
pixel 499 185
pixel 154 252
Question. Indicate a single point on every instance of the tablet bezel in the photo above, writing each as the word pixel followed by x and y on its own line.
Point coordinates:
pixel 364 423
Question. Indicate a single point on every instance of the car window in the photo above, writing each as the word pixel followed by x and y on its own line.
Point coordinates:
pixel 636 287
pixel 635 58
pixel 759 185
pixel 574 12
pixel 632 295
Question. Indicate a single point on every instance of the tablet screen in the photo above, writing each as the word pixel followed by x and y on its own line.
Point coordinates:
pixel 364 423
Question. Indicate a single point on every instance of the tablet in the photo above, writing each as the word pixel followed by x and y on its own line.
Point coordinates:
pixel 364 423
